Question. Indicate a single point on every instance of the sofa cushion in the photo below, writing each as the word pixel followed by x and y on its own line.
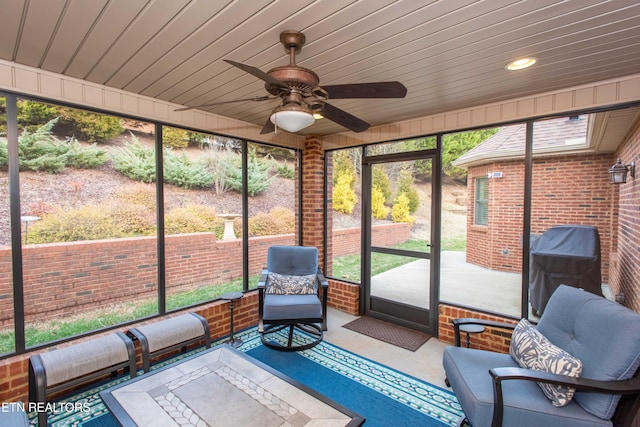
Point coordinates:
pixel 285 284
pixel 604 335
pixel 531 350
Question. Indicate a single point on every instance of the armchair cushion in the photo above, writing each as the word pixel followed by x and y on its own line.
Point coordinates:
pixel 283 307
pixel 531 350
pixel 285 284
pixel 604 335
pixel 525 404
pixel 298 260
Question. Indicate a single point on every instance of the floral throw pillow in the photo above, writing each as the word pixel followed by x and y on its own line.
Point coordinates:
pixel 533 351
pixel 283 284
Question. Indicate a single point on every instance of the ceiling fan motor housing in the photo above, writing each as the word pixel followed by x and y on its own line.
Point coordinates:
pixel 297 78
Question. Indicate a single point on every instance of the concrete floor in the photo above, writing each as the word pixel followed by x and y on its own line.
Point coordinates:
pixel 461 283
pixel 425 363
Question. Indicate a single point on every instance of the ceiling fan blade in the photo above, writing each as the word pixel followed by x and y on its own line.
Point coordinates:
pixel 268 126
pixel 366 90
pixel 343 118
pixel 255 98
pixel 256 72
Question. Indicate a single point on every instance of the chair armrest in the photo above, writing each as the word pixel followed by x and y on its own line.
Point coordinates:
pixel 262 282
pixel 471 321
pixel 630 386
pixel 322 280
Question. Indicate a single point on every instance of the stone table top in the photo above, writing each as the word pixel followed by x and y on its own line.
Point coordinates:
pixel 222 386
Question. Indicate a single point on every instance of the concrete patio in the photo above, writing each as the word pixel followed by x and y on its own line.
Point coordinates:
pixel 461 283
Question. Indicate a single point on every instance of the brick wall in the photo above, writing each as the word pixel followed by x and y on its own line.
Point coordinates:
pixel 566 190
pixel 344 296
pixel 80 276
pixel 14 375
pixel 493 339
pixel 625 257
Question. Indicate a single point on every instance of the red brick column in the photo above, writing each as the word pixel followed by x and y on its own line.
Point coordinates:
pixel 313 195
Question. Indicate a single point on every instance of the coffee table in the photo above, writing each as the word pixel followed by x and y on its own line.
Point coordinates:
pixel 221 386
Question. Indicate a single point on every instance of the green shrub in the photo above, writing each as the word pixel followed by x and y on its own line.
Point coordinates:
pixel 344 197
pixel 133 219
pixel 286 171
pixel 196 139
pixel 4 153
pixel 180 221
pixel 138 194
pixel 88 157
pixel 286 219
pixel 41 151
pixel 174 138
pixel 32 114
pixel 378 208
pixel 182 172
pixel 400 211
pixel 87 223
pixel 93 127
pixel 278 221
pixel 204 213
pixel 193 219
pixel 219 164
pixel 380 179
pixel 405 185
pixel 258 174
pixel 135 161
pixel 342 164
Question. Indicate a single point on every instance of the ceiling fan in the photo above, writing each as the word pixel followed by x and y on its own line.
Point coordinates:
pixel 302 97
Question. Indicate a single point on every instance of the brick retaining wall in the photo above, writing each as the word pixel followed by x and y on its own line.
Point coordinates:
pixel 346 241
pixel 82 276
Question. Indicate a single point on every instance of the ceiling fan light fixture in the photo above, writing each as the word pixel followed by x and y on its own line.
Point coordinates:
pixel 291 118
pixel 521 63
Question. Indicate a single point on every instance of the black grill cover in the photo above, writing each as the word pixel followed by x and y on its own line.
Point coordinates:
pixel 564 254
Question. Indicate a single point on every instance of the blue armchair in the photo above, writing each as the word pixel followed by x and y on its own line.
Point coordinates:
pixel 288 297
pixel 604 337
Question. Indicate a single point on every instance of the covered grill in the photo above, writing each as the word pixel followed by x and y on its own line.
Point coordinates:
pixel 564 254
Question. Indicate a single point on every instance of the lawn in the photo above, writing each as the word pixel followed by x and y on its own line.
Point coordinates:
pixel 348 266
pixel 40 332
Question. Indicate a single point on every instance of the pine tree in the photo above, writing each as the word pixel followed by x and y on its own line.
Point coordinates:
pixel 400 211
pixel 378 208
pixel 405 185
pixel 344 197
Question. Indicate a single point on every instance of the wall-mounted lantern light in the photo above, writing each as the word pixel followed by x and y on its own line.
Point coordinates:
pixel 618 172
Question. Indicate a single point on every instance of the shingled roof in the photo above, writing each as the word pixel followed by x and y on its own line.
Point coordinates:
pixel 558 136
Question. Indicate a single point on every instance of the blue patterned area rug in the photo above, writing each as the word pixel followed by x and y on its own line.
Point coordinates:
pixel 383 396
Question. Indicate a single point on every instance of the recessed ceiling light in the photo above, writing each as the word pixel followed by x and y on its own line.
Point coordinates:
pixel 521 63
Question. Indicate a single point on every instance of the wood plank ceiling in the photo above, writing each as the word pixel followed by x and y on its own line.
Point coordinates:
pixel 449 54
